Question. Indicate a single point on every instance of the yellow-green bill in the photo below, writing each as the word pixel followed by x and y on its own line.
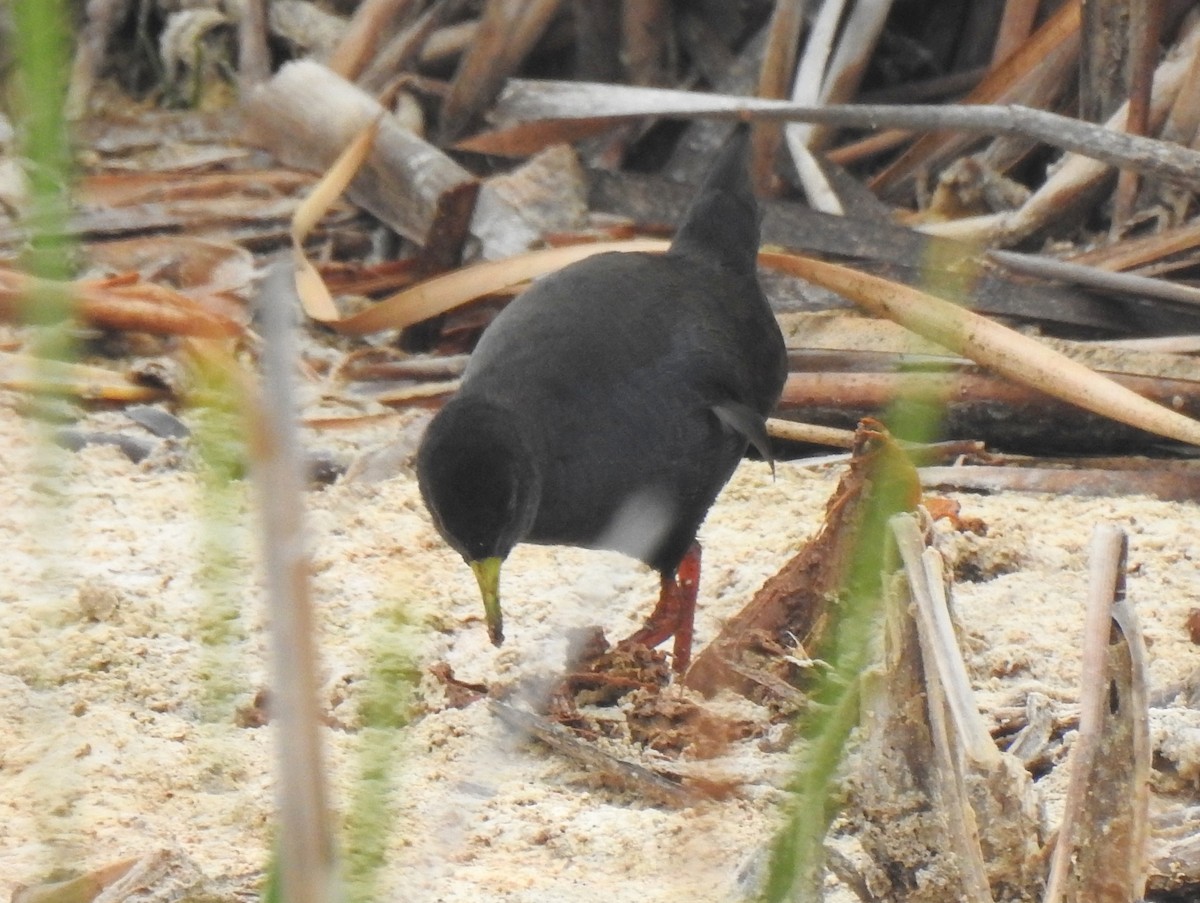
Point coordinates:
pixel 487 574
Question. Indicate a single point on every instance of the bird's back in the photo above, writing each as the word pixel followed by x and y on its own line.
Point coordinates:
pixel 617 363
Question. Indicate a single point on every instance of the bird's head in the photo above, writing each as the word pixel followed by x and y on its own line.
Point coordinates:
pixel 478 478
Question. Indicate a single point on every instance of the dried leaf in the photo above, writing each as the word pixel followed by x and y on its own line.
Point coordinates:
pixel 442 293
pixel 992 345
pixel 311 288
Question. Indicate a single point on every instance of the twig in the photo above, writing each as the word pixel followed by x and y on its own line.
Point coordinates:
pixel 791 431
pixel 1093 277
pixel 524 101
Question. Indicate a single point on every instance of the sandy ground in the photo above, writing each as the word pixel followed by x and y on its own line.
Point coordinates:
pixel 119 729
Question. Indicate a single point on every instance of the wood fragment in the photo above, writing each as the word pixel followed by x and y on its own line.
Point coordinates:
pixel 921 802
pixel 447 44
pixel 1170 344
pixel 306 115
pixel 1031 739
pixel 1184 119
pixel 991 409
pixel 1104 64
pixel 516 209
pixel 809 88
pixel 925 573
pixel 1137 252
pixel 848 63
pixel 1175 865
pixel 909 756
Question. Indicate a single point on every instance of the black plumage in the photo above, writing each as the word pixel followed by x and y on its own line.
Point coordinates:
pixel 608 405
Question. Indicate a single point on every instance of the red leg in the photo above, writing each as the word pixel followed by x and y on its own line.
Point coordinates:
pixel 688 583
pixel 675 612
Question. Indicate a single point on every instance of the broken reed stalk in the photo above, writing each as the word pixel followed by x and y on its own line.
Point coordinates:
pixel 947 689
pixel 926 576
pixel 1106 579
pixel 796 866
pixel 1100 853
pixel 306 868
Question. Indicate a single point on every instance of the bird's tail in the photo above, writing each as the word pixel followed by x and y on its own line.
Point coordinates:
pixel 721 225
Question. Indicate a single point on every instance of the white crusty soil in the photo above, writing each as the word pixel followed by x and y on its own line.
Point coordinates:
pixel 117 739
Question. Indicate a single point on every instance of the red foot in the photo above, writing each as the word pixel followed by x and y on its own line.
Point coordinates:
pixel 675 613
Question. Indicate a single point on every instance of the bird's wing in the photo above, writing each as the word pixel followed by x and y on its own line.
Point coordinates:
pixel 749 423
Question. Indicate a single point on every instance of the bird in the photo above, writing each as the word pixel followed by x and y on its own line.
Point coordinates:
pixel 608 404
